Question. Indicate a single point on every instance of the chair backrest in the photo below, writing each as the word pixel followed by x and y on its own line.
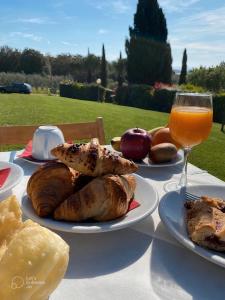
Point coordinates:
pixel 21 134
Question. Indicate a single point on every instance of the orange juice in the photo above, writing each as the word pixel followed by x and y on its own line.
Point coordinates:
pixel 190 125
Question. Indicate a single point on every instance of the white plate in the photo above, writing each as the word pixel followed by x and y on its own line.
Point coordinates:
pixel 147 163
pixel 176 161
pixel 15 176
pixel 172 214
pixel 145 194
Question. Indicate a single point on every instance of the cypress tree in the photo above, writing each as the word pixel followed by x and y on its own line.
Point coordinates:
pixel 148 54
pixel 149 21
pixel 183 74
pixel 120 70
pixel 103 75
pixel 89 73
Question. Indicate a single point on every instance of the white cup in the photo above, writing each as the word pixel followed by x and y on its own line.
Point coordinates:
pixel 45 138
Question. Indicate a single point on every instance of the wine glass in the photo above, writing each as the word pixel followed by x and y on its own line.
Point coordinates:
pixel 190 123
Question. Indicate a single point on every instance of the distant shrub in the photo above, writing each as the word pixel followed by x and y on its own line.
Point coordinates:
pixel 192 88
pixel 144 96
pixel 91 92
pixel 212 78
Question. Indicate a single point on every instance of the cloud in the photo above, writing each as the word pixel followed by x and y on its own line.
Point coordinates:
pixel 30 36
pixel 176 5
pixel 209 24
pixel 202 46
pixel 66 43
pixel 120 6
pixel 203 34
pixel 38 21
pixel 103 31
pixel 117 6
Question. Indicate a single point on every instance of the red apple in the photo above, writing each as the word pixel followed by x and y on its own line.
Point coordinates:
pixel 135 143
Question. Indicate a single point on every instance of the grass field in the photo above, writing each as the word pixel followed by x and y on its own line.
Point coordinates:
pixel 42 109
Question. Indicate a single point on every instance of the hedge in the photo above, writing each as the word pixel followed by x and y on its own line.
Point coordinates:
pixel 139 95
pixel 143 96
pixel 91 92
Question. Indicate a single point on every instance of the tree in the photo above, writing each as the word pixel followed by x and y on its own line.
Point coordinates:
pixel 183 73
pixel 92 67
pixel 212 78
pixel 88 65
pixel 120 68
pixel 9 59
pixel 32 61
pixel 103 74
pixel 148 54
pixel 149 21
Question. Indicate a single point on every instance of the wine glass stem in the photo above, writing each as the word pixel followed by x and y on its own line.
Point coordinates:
pixel 183 179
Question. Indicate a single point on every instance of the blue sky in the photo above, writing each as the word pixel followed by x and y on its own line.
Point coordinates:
pixel 63 26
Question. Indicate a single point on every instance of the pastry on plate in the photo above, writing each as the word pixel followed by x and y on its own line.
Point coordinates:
pixel 92 159
pixel 206 222
pixel 49 186
pixel 103 199
pixel 33 259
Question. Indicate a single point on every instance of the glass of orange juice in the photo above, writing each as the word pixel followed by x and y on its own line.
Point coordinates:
pixel 190 123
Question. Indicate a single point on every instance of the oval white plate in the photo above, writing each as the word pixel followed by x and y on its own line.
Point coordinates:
pixel 176 161
pixel 147 163
pixel 145 194
pixel 15 176
pixel 172 214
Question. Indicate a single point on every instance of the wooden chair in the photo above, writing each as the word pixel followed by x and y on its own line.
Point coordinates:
pixel 11 135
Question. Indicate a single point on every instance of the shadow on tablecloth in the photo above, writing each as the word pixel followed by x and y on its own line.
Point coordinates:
pixel 93 255
pixel 159 174
pixel 177 273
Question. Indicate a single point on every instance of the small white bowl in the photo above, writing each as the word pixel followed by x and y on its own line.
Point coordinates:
pixel 45 138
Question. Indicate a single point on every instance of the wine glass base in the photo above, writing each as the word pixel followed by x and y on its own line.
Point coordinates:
pixel 173 186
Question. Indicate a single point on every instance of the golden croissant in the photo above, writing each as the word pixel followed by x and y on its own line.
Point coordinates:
pixel 104 198
pixel 92 159
pixel 33 259
pixel 49 186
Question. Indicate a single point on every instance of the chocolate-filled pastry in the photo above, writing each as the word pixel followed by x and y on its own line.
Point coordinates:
pixel 49 186
pixel 206 222
pixel 104 198
pixel 92 159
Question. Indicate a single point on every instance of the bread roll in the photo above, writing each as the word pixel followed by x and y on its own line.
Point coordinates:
pixel 33 259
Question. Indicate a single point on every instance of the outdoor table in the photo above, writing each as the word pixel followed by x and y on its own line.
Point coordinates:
pixel 140 262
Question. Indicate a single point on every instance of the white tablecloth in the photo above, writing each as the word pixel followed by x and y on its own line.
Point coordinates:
pixel 138 263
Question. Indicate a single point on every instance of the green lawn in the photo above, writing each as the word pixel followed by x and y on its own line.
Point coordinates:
pixel 42 109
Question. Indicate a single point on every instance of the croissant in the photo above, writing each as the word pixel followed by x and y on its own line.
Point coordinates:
pixel 49 186
pixel 92 159
pixel 104 198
